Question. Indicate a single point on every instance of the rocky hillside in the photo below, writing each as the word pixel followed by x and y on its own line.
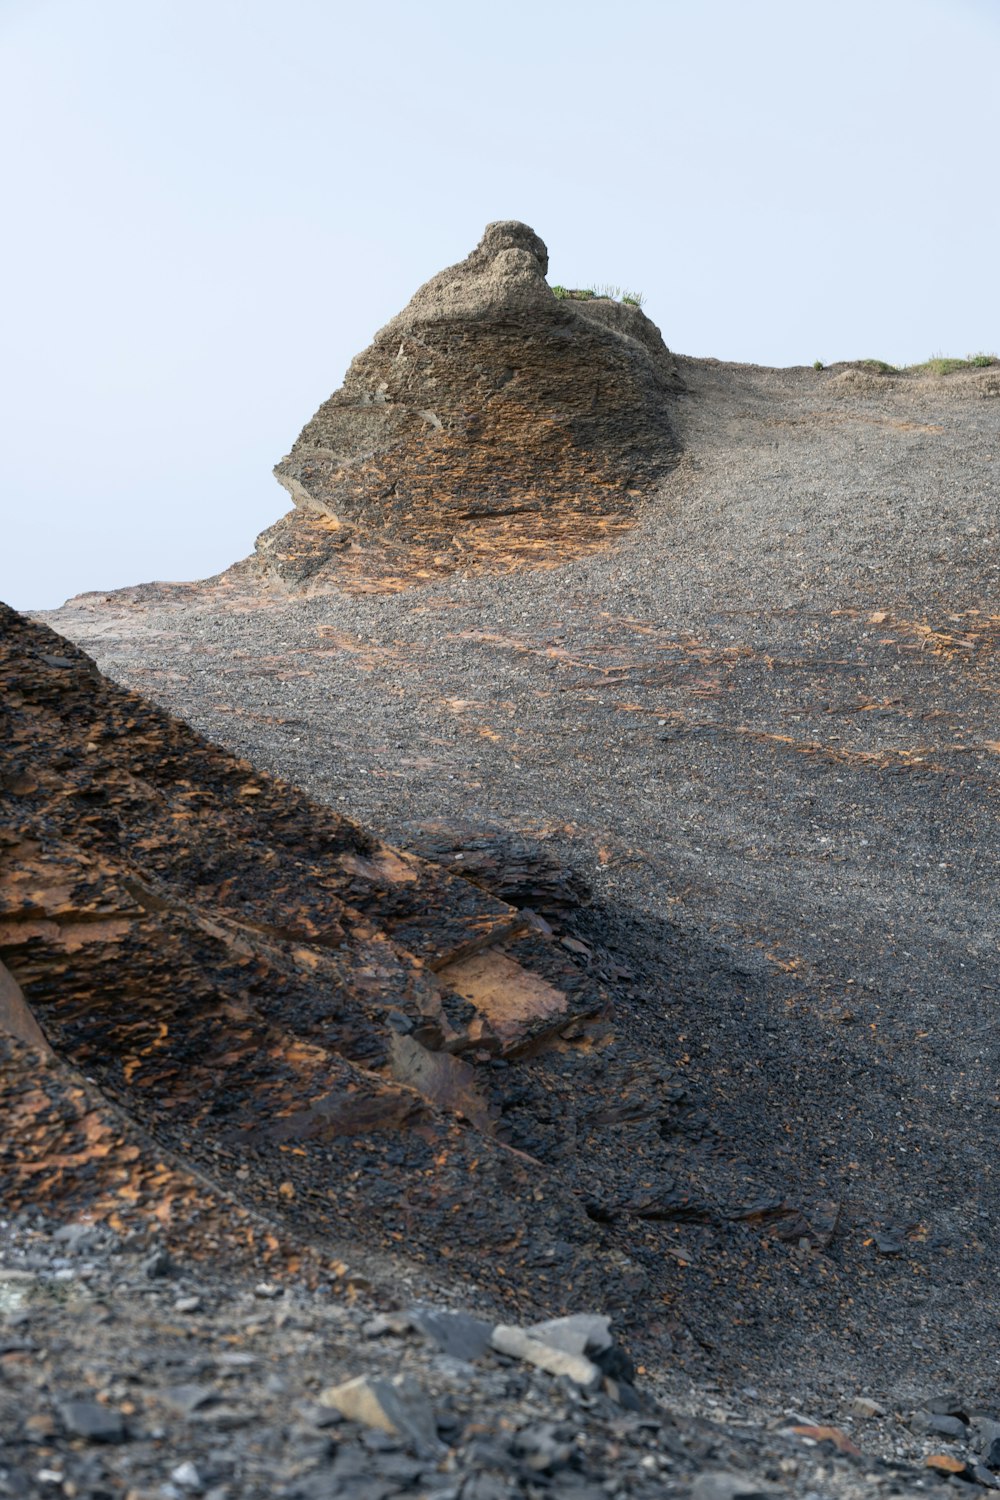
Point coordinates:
pixel 662 982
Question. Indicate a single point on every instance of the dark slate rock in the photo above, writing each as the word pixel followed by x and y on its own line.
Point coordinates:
pixel 947 1406
pixel 90 1420
pixel 158 1264
pixel 945 1426
pixel 455 1333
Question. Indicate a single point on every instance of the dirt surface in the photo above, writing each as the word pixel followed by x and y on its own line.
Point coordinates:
pixel 762 727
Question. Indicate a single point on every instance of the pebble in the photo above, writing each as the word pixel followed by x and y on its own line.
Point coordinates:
pixel 187 1305
pixel 187 1476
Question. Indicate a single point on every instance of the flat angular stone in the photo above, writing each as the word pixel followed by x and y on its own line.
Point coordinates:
pixel 396 1406
pixel 457 1334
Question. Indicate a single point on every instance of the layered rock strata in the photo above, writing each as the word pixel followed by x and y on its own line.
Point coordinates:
pixel 244 980
pixel 489 421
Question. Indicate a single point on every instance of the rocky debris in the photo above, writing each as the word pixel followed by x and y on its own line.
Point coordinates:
pixel 235 1406
pixel 274 1033
pixel 515 869
pixel 489 419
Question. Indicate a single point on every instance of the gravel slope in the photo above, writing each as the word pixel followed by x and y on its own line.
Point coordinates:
pixel 764 727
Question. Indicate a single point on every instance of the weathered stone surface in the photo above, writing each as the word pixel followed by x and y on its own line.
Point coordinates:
pixel 489 418
pixel 396 1406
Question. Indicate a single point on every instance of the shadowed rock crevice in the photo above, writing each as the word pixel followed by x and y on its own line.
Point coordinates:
pixel 490 422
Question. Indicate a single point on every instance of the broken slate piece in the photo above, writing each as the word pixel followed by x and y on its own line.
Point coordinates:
pixel 866 1408
pixel 522 1344
pixel 396 1406
pixel 945 1426
pixel 90 1420
pixel 456 1334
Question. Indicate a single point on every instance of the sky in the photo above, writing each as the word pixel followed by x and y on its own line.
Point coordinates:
pixel 212 205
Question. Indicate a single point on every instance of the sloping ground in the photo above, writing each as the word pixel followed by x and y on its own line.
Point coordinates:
pixel 764 727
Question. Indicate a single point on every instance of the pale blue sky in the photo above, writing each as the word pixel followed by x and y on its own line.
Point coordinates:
pixel 212 205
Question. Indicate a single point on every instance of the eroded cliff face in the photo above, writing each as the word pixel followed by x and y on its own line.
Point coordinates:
pixel 489 421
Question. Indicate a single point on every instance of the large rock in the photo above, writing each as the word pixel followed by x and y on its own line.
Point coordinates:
pixel 489 418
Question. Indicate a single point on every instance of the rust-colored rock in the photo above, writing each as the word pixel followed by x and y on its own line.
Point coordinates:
pixel 489 421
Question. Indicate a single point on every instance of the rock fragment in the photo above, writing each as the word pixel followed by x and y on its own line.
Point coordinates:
pixel 456 1334
pixel 91 1420
pixel 521 1344
pixel 396 1406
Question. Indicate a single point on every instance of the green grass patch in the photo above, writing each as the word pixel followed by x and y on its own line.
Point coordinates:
pixel 941 364
pixel 589 293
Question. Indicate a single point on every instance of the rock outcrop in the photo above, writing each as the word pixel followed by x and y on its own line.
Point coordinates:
pixel 226 972
pixel 491 420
